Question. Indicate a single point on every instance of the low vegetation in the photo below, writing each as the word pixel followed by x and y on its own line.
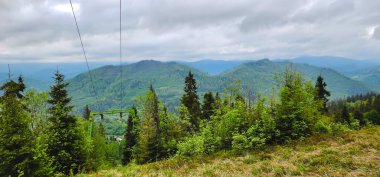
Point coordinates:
pixel 352 153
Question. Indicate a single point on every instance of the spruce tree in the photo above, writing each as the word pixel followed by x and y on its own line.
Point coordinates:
pixel 130 136
pixel 86 113
pixel 65 143
pixel 321 92
pixel 359 116
pixel 16 141
pixel 297 110
pixel 149 142
pixel 208 106
pixel 191 101
pixel 155 110
pixel 345 115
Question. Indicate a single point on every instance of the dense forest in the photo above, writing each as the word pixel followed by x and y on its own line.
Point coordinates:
pixel 40 135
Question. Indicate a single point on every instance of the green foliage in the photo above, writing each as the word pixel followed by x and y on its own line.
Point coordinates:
pixel 264 130
pixel 322 93
pixel 66 139
pixel 227 126
pixel 339 128
pixel 211 142
pixel 191 101
pixel 191 146
pixel 240 143
pixel 373 116
pixel 15 136
pixel 86 112
pixel 149 144
pixel 208 106
pixel 37 107
pixel 131 135
pixel 98 151
pixel 297 110
pixel 322 127
pixel 43 161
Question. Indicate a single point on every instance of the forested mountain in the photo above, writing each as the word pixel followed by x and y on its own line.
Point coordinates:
pixel 369 76
pixel 340 64
pixel 167 78
pixel 214 67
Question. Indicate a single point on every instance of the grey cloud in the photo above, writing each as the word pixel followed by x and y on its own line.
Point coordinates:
pixel 188 29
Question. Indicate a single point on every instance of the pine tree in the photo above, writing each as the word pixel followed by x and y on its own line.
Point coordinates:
pixel 65 143
pixel 16 141
pixel 130 135
pixel 208 106
pixel 86 113
pixel 321 92
pixel 191 101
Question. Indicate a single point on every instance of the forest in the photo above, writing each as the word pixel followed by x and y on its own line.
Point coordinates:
pixel 41 135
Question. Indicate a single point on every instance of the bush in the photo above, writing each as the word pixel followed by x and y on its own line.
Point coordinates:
pixel 339 127
pixel 240 143
pixel 355 124
pixel 321 127
pixel 257 143
pixel 211 142
pixel 373 116
pixel 194 145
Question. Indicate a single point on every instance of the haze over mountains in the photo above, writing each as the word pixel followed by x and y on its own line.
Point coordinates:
pixel 343 76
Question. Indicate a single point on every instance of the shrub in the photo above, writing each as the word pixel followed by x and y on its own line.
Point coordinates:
pixel 240 143
pixel 373 116
pixel 321 127
pixel 194 145
pixel 211 142
pixel 339 127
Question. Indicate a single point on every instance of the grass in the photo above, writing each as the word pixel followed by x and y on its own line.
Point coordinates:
pixel 355 153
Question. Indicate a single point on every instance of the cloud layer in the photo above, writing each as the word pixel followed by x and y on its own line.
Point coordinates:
pixel 44 30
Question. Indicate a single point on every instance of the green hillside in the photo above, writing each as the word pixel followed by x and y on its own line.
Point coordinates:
pixel 370 77
pixel 261 75
pixel 167 78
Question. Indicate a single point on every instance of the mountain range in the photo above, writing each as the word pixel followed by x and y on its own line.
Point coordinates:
pixel 168 80
pixel 343 76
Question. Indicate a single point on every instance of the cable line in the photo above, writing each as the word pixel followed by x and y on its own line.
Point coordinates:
pixel 121 67
pixel 84 54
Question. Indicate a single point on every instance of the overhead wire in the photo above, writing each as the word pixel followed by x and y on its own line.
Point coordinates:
pixel 85 55
pixel 121 62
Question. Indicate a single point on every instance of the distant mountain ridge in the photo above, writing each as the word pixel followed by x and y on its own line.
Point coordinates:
pixel 168 78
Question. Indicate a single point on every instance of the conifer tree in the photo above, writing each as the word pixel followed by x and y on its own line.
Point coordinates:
pixel 65 143
pixel 149 140
pixel 155 110
pixel 321 92
pixel 130 135
pixel 297 110
pixel 208 106
pixel 15 136
pixel 191 101
pixel 345 115
pixel 86 113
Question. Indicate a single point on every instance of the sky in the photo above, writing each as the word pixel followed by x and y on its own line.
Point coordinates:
pixel 188 30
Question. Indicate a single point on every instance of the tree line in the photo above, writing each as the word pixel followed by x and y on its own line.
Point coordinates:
pixel 40 135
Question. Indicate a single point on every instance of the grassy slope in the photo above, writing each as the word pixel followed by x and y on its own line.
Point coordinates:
pixel 355 153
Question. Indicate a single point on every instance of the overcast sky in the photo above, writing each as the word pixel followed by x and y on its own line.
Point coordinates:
pixel 44 30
